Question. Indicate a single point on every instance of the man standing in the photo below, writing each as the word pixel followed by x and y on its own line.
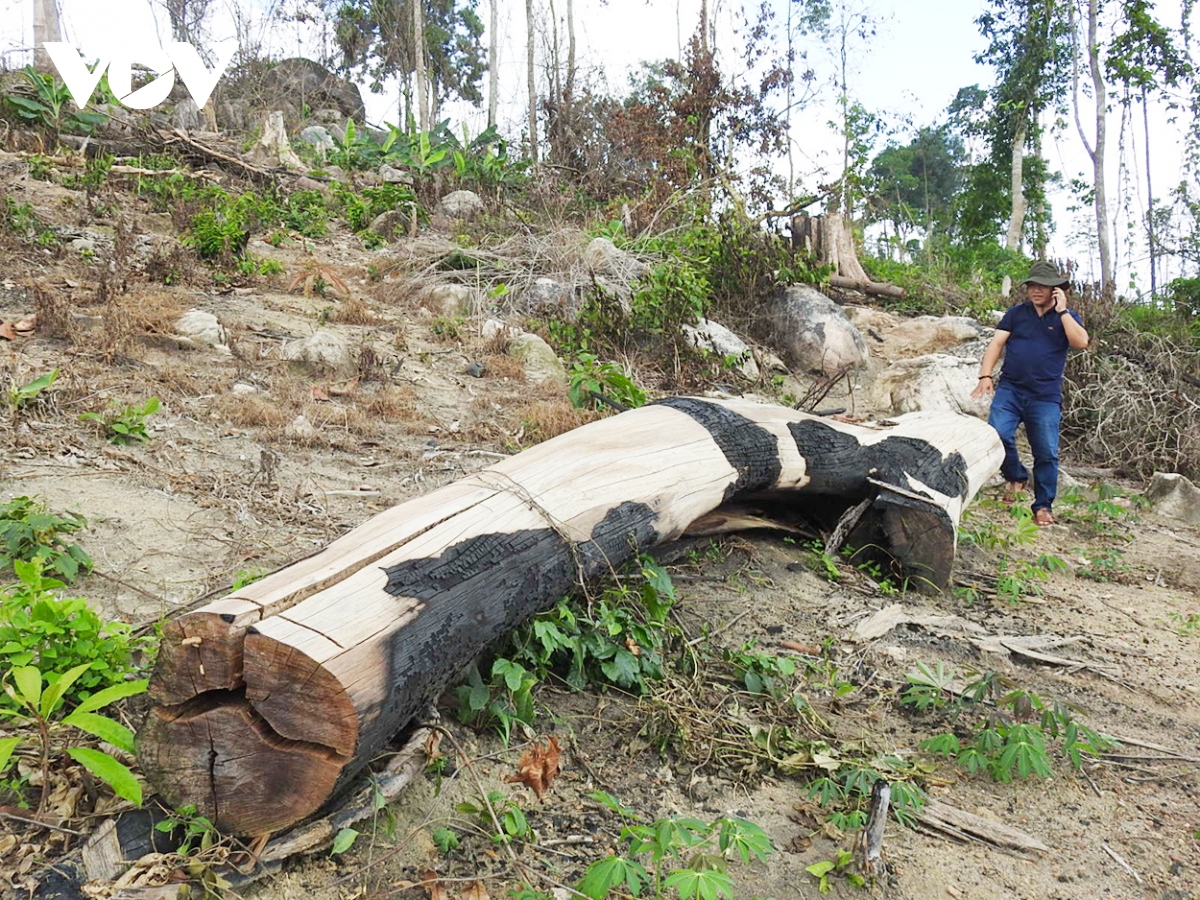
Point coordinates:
pixel 1035 336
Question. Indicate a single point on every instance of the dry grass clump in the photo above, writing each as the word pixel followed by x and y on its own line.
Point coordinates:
pixel 501 366
pixel 545 419
pixel 54 316
pixel 152 312
pixel 252 411
pixel 354 312
pixel 391 404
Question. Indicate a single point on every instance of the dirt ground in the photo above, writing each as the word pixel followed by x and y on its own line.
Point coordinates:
pixel 229 483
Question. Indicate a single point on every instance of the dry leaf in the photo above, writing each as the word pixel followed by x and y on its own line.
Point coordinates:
pixel 26 325
pixel 319 394
pixel 433 884
pixel 538 767
pixel 433 746
pixel 7 331
pixel 477 892
pixel 349 389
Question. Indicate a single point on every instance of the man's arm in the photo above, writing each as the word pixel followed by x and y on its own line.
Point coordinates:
pixel 1077 336
pixel 991 356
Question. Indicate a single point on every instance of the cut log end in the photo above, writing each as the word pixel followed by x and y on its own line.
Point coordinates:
pixel 199 653
pixel 219 755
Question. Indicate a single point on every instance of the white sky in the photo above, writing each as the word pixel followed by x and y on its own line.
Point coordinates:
pixel 909 71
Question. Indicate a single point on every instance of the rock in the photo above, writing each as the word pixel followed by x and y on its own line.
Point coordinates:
pixel 84 245
pixel 724 343
pixel 324 351
pixel 929 334
pixel 301 429
pixel 450 301
pixel 295 83
pixel 811 332
pixel 494 329
pixel 391 224
pixel 203 328
pixel 934 382
pixel 864 317
pixel 603 257
pixel 545 294
pixel 1175 497
pixel 186 115
pixel 461 205
pixel 337 173
pixel 475 369
pixel 242 388
pixel 391 175
pixel 318 136
pixel 540 362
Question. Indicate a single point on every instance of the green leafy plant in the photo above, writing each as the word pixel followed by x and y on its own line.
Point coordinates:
pixel 25 395
pixel 31 533
pixel 247 576
pixel 588 374
pixel 44 101
pixel 20 219
pixel 38 700
pixel 662 845
pixel 37 627
pixel 509 823
pixel 839 865
pixel 616 640
pixel 125 424
pixel 1185 625
pixel 1104 565
pixel 505 701
pixel 445 839
pixel 198 831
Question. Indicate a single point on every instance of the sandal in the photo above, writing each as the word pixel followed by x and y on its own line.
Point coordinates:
pixel 1013 491
pixel 1042 518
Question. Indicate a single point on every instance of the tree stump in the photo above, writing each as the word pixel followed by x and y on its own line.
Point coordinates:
pixel 270 700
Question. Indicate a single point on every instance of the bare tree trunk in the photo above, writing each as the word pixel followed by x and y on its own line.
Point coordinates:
pixel 569 90
pixel 529 72
pixel 46 29
pixel 1101 98
pixel 419 63
pixel 1149 200
pixel 493 59
pixel 1016 223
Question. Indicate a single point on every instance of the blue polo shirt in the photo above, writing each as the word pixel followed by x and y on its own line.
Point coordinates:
pixel 1036 352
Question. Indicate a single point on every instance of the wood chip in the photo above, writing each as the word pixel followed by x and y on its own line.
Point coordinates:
pixel 966 826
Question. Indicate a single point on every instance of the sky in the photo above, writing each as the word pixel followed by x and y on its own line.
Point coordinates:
pixel 908 72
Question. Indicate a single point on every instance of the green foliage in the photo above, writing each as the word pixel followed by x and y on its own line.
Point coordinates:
pixel 1100 511
pixel 30 533
pixel 124 424
pixel 20 219
pixel 839 865
pixel 1104 565
pixel 25 395
pixel 343 841
pixel 53 633
pixel 618 639
pixel 503 701
pixel 1008 732
pixel 588 374
pixel 45 102
pixel 500 817
pixel 686 856
pixel 445 840
pixel 361 209
pixel 198 831
pixel 845 787
pixel 675 293
pixel 1186 625
pixel 247 576
pixel 38 699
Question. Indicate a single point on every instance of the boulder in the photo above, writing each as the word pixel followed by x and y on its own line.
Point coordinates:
pixel 495 330
pixel 935 382
pixel 391 224
pixel 929 334
pixel 318 136
pixel 1175 497
pixel 461 205
pixel 295 83
pixel 811 332
pixel 323 351
pixel 392 175
pixel 202 328
pixel 450 301
pixel 603 257
pixel 186 115
pixel 545 294
pixel 716 338
pixel 540 362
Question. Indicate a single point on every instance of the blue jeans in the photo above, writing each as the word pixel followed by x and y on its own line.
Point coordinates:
pixel 1042 419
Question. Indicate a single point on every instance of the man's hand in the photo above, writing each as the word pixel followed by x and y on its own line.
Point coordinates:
pixel 1059 296
pixel 984 387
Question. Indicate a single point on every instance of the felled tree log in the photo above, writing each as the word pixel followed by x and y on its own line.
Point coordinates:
pixel 871 288
pixel 272 698
pixel 830 239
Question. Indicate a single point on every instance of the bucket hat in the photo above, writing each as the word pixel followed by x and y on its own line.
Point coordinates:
pixel 1046 273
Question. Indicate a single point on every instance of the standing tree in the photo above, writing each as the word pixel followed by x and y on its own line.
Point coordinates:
pixel 432 46
pixel 1097 146
pixel 1030 48
pixel 530 73
pixel 493 63
pixel 46 28
pixel 1143 58
pixel 915 186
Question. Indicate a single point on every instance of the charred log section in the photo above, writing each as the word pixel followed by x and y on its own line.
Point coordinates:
pixel 272 698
